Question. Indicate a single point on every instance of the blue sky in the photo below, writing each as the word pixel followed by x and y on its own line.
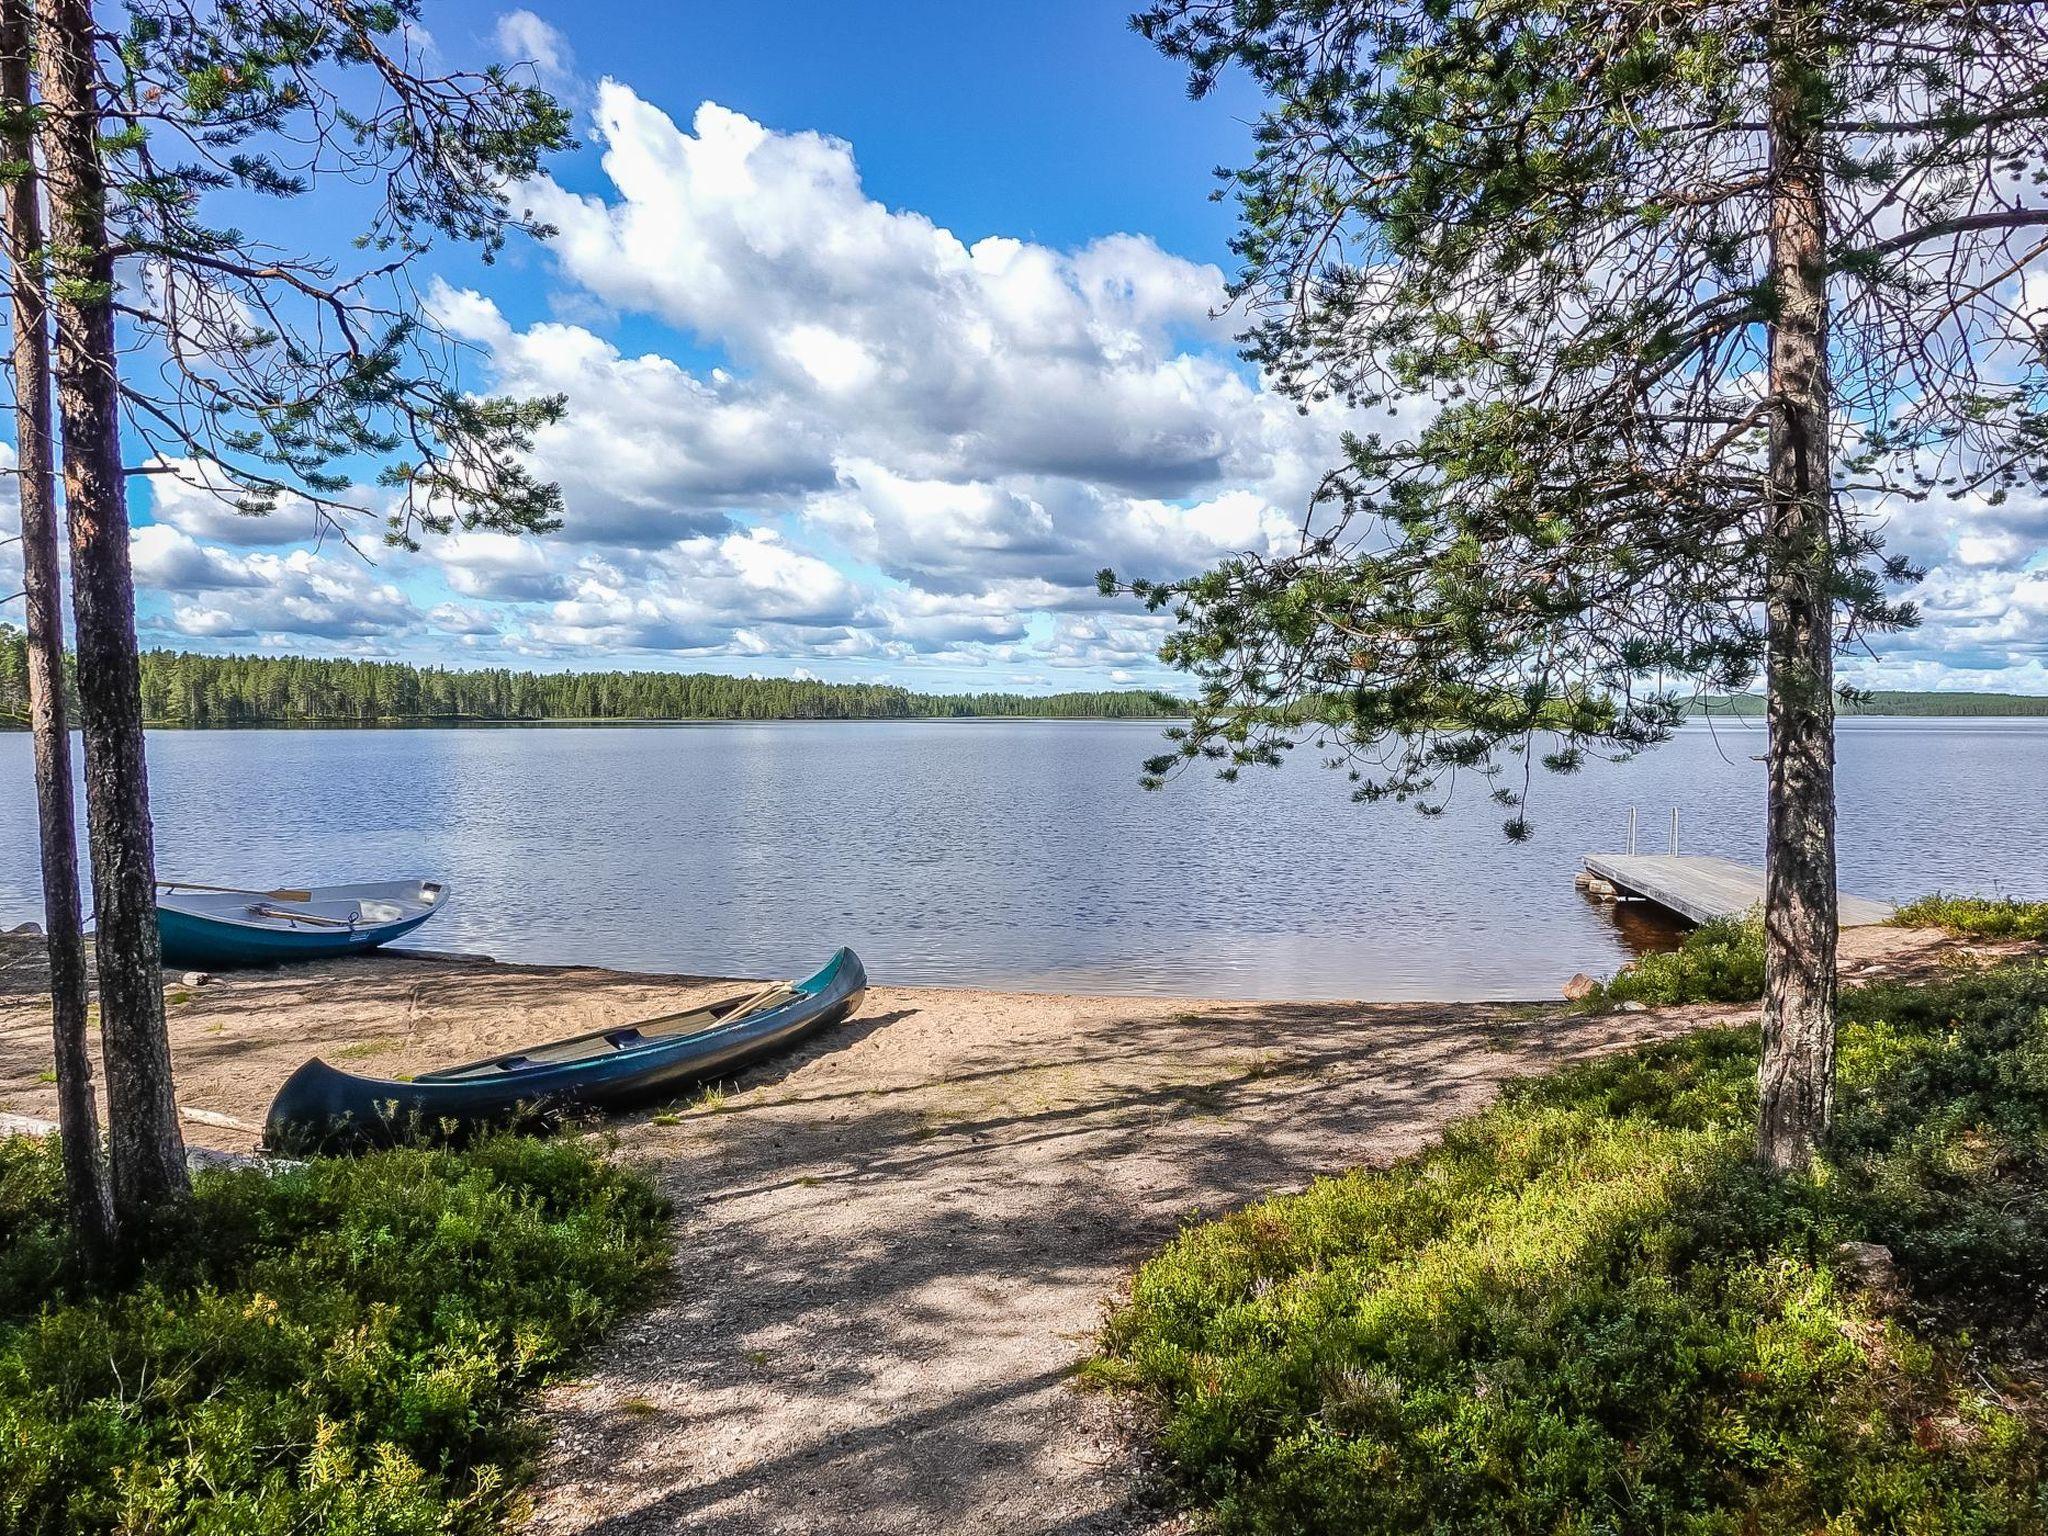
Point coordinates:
pixel 1051 122
pixel 882 328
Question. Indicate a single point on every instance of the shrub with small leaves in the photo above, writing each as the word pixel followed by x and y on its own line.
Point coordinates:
pixel 340 1347
pixel 1590 1311
pixel 1718 962
pixel 1977 917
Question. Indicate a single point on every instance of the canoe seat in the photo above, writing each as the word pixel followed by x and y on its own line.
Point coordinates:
pixel 623 1036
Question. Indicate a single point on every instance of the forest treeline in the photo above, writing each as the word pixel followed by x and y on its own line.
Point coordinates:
pixel 180 688
pixel 183 689
pixel 1889 701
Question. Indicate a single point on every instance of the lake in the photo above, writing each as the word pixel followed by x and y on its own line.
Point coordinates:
pixel 1023 853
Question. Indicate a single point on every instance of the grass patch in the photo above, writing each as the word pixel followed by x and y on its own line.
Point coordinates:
pixel 342 1347
pixel 1718 962
pixel 1587 1311
pixel 1977 917
pixel 362 1050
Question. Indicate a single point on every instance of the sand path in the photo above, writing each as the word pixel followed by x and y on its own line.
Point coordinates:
pixel 894 1252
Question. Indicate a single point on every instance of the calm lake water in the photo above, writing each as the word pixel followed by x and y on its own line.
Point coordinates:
pixel 1023 853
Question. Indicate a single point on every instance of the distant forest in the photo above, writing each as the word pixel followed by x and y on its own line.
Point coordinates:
pixel 181 689
pixel 1896 702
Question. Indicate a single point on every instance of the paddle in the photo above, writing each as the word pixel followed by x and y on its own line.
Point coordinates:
pixel 300 917
pixel 233 890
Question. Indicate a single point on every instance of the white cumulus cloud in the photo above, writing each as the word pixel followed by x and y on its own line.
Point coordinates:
pixel 523 38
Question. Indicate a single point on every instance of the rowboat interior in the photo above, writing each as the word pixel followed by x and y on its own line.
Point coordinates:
pixel 319 907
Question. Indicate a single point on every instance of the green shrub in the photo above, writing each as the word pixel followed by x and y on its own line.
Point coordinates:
pixel 1977 917
pixel 340 1347
pixel 1588 1311
pixel 1718 962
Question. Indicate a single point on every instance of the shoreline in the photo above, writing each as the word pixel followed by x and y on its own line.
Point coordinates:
pixel 1049 991
pixel 637 722
pixel 1707 718
pixel 241 1033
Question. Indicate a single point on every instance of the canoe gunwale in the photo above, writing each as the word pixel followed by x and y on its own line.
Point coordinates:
pixel 624 1039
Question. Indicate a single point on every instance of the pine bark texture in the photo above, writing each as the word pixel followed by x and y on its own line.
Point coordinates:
pixel 1797 1074
pixel 77 1115
pixel 147 1150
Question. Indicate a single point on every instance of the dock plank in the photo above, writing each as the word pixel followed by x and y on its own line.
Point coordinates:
pixel 1702 887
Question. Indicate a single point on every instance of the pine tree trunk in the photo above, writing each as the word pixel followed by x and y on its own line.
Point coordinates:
pixel 1797 1075
pixel 77 1117
pixel 147 1150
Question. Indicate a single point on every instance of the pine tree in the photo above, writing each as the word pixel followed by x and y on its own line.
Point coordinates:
pixel 86 1194
pixel 277 374
pixel 146 1149
pixel 1679 303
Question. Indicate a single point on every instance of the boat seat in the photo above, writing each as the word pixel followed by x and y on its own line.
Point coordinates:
pixel 624 1036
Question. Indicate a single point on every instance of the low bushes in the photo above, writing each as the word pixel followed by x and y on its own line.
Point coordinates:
pixel 341 1347
pixel 1977 917
pixel 1587 1311
pixel 1723 961
pixel 1718 962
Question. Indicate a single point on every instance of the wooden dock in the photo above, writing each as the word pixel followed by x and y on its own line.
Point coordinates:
pixel 1701 887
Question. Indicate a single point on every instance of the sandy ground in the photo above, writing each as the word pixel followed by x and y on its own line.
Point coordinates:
pixel 895 1244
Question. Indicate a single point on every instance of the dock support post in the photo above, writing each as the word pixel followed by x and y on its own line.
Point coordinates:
pixel 1631 831
pixel 1674 829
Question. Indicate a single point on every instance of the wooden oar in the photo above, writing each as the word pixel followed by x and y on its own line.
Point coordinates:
pixel 759 1001
pixel 233 890
pixel 300 917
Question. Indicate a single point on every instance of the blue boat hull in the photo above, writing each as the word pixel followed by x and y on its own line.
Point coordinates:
pixel 200 943
pixel 321 1108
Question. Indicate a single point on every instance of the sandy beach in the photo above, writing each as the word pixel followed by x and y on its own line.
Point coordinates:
pixel 894 1244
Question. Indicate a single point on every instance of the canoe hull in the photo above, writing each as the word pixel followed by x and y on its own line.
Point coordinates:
pixel 219 931
pixel 321 1108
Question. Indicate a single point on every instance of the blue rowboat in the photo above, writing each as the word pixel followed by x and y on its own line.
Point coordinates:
pixel 212 927
pixel 321 1108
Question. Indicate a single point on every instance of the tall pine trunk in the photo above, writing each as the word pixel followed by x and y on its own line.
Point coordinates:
pixel 147 1151
pixel 1797 1075
pixel 77 1118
